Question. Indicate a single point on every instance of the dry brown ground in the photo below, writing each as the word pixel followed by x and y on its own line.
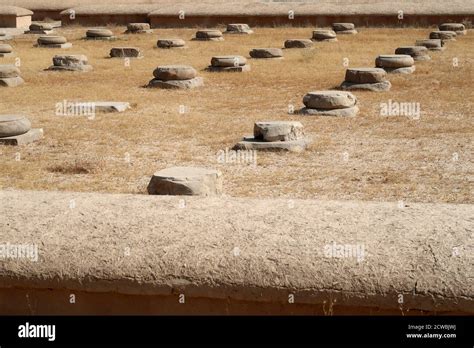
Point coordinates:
pixel 388 158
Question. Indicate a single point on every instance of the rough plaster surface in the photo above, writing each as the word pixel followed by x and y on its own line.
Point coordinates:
pixel 242 249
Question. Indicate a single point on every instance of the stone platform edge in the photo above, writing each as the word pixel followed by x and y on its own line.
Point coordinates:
pixel 242 249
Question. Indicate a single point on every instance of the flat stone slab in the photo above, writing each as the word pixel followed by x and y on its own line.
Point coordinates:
pixel 345 112
pixel 266 53
pixel 22 139
pixel 243 68
pixel 79 68
pixel 170 43
pixel 394 61
pixel 250 143
pixel 177 84
pixel 238 28
pixel 48 24
pixel 3 55
pixel 125 52
pixel 11 125
pixel 189 181
pixel 208 39
pixel 104 38
pixel 299 43
pixel 328 100
pixel 40 32
pixel 374 87
pixel 347 32
pixel 407 70
pixel 11 81
pixel 66 45
pixel 272 131
pixel 324 35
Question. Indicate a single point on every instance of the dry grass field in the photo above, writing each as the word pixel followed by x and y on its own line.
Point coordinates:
pixel 369 157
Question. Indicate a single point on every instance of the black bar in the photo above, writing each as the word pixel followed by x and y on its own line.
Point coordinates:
pixel 195 330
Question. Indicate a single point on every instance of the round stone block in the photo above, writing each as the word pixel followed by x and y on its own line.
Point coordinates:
pixel 51 40
pixel 431 44
pixel 125 52
pixel 416 52
pixel 299 43
pixel 170 43
pixel 177 84
pixel 99 33
pixel 394 61
pixel 365 75
pixel 174 72
pixel 443 35
pixel 228 61
pixel 9 71
pixel 5 48
pixel 11 125
pixel 266 53
pixel 211 34
pixel 238 28
pixel 278 131
pixel 329 100
pixel 458 28
pixel 189 181
pixel 324 35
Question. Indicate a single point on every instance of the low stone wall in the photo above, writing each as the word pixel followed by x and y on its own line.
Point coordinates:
pixel 133 254
pixel 257 13
pixel 360 20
